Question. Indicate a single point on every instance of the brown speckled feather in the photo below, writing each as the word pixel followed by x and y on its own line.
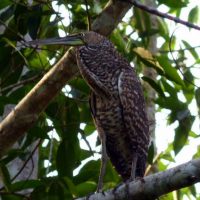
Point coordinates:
pixel 117 104
pixel 135 120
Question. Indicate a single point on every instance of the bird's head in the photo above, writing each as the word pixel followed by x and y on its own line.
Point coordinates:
pixel 80 39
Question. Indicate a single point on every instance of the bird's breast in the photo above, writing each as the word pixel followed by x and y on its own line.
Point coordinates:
pixel 109 117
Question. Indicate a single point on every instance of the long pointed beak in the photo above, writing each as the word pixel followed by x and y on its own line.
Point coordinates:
pixel 73 40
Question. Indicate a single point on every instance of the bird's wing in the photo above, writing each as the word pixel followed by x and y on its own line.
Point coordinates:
pixel 134 115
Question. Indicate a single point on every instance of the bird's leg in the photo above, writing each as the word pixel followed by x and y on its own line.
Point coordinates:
pixel 133 167
pixel 133 175
pixel 104 159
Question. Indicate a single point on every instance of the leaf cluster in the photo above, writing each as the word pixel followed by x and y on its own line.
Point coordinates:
pixel 66 123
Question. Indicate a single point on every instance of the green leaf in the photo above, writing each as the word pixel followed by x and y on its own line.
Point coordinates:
pixel 167 197
pixel 148 59
pixel 90 171
pixel 89 129
pixel 119 41
pixel 193 190
pixel 169 88
pixel 85 154
pixel 56 191
pixel 51 189
pixel 66 159
pixel 197 96
pixel 170 72
pixel 151 153
pixel 85 113
pixel 71 186
pixel 25 184
pixel 163 29
pixel 39 61
pixel 4 3
pixel 167 156
pixel 173 3
pixel 161 166
pixel 7 196
pixel 72 116
pixel 197 154
pixel 188 90
pixel 193 16
pixel 171 104
pixel 111 175
pixel 10 43
pixel 182 133
pixel 191 49
pixel 79 85
pixel 5 176
pixel 86 188
pixel 40 193
pixel 154 85
pixel 8 12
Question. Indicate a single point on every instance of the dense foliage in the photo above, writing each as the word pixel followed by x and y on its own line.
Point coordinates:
pixel 64 128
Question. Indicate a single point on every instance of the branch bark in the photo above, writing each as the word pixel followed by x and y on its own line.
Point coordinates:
pixel 153 186
pixel 154 11
pixel 27 111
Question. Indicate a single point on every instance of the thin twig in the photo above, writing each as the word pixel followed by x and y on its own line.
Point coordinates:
pixel 25 163
pixel 154 11
pixel 86 141
pixel 149 167
pixel 88 15
pixel 22 82
pixel 177 64
pixel 179 50
pixel 11 30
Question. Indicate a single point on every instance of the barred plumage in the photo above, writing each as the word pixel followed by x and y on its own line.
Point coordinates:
pixel 117 104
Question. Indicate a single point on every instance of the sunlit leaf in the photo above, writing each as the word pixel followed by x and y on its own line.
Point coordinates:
pixel 86 188
pixel 191 49
pixel 173 4
pixel 194 15
pixel 148 59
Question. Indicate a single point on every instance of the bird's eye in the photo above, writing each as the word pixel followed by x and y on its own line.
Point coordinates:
pixel 82 35
pixel 83 38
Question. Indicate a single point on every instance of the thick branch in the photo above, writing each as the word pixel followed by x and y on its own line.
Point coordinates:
pixel 27 111
pixel 153 186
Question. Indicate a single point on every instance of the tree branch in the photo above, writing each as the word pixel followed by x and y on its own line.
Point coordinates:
pixel 154 11
pixel 153 186
pixel 27 111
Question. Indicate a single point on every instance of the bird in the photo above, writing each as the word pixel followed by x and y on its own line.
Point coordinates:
pixel 117 103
